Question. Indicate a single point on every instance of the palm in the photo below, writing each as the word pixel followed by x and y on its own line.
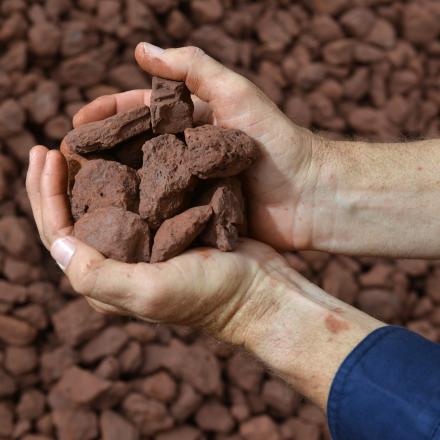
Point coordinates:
pixel 273 184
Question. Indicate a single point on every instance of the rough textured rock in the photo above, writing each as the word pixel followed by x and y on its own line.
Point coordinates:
pixel 228 220
pixel 219 152
pixel 165 179
pixel 117 234
pixel 102 184
pixel 171 106
pixel 106 134
pixel 176 234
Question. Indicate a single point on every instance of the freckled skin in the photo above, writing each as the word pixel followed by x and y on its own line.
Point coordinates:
pixel 335 325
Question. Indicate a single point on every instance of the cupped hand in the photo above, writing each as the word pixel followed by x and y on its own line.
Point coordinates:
pixel 281 181
pixel 227 294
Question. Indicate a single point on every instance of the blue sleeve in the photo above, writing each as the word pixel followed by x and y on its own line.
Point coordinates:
pixel 388 388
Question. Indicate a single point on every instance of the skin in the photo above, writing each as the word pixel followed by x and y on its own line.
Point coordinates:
pixel 304 193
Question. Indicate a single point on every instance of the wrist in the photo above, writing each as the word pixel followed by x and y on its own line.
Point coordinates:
pixel 307 335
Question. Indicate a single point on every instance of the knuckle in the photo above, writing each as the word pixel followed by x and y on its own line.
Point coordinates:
pixel 84 279
pixel 195 52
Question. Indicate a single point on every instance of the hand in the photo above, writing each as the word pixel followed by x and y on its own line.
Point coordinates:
pixel 284 177
pixel 250 297
pixel 224 293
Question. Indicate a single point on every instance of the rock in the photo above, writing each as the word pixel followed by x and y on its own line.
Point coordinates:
pixel 213 416
pixel 56 362
pixel 117 234
pixel 259 428
pixel 159 386
pixel 281 397
pixel 115 427
pixel 75 424
pixel 76 322
pixel 80 386
pixel 228 221
pixel 16 332
pixel 109 342
pixel 176 234
pixel 171 106
pixel 20 360
pixel 165 179
pixel 150 416
pixel 186 403
pixel 219 152
pixel 106 134
pixel 245 371
pixel 31 405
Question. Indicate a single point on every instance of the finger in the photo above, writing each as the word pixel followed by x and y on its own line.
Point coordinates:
pixel 106 106
pixel 205 77
pixel 153 292
pixel 37 158
pixel 105 309
pixel 55 209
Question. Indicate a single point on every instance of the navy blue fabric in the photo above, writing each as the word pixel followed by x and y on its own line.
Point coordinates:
pixel 388 388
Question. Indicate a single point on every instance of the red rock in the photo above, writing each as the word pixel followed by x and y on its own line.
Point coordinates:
pixel 165 179
pixel 425 329
pixel 281 397
pixel 217 43
pixel 228 206
pixel 159 386
pixel 171 106
pixel 57 127
pixel 149 415
pixel 358 21
pixel 325 28
pixel 244 371
pixel 43 102
pixel 312 414
pixel 186 403
pixel 12 118
pixel 76 322
pixel 77 37
pixel 130 358
pixel 379 303
pixel 75 424
pixel 108 369
pixel 420 25
pixel 378 276
pixel 83 70
pixel 17 238
pixel 206 11
pixel 33 314
pixel 213 416
pixel 45 39
pixel 185 432
pixel 115 427
pixel 382 34
pixel 20 360
pixel 176 234
pixel 11 293
pixel 106 134
pixel 31 405
pixel 178 26
pixel 117 234
pixel 7 384
pixel 16 332
pixel 340 282
pixel 259 428
pixel 109 342
pixel 80 386
pixel 128 77
pixel 339 52
pixel 296 428
pixel 6 420
pixel 142 332
pixel 219 152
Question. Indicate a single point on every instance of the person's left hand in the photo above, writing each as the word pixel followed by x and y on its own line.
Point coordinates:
pixel 227 294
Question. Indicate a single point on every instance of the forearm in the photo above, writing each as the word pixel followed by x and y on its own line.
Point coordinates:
pixel 376 199
pixel 306 336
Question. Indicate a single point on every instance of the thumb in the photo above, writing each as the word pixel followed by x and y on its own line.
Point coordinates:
pixel 204 76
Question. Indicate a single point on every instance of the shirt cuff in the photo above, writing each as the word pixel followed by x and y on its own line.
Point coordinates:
pixel 388 388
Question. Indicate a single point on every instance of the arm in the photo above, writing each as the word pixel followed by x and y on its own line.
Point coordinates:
pixel 376 199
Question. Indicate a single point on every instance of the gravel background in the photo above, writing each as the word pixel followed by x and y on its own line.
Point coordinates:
pixel 359 68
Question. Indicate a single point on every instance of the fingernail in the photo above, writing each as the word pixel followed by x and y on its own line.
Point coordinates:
pixel 151 49
pixel 62 251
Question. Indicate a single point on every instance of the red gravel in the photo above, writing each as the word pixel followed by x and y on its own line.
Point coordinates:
pixel 365 69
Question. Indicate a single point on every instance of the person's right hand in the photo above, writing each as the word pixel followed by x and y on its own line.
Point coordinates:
pixel 281 181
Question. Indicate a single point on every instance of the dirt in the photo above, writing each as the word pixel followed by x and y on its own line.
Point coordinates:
pixel 365 69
